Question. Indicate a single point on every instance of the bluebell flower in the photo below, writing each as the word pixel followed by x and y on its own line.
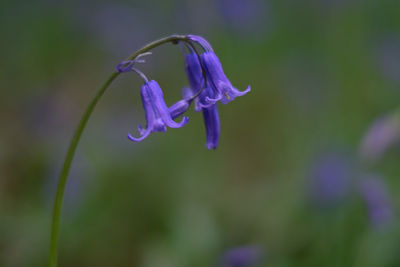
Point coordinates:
pixel 211 120
pixel 216 78
pixel 210 110
pixel 246 16
pixel 241 257
pixel 158 115
pixel 377 200
pixel 330 179
pixel 380 137
pixel 224 90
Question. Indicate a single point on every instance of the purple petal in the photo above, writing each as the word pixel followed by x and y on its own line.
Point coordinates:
pixel 194 72
pixel 162 108
pixel 218 80
pixel 201 41
pixel 139 139
pixel 178 108
pixel 212 124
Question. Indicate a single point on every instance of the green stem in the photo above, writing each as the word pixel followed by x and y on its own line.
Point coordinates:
pixel 75 140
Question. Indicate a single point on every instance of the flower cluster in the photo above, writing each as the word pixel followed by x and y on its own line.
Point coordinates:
pixel 208 86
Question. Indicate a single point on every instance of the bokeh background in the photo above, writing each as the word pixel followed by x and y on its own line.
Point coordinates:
pixel 307 170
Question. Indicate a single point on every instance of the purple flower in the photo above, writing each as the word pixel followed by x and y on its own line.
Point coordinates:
pixel 201 41
pixel 383 133
pixel 376 197
pixel 241 257
pixel 158 115
pixel 216 78
pixel 196 81
pixel 330 179
pixel 211 121
pixel 222 87
pixel 210 110
pixel 246 16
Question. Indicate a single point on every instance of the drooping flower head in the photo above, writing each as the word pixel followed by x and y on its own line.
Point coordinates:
pixel 208 85
pixel 158 115
pixel 217 80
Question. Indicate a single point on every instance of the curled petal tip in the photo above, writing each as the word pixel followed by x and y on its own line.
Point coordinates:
pixel 134 139
pixel 212 101
pixel 180 124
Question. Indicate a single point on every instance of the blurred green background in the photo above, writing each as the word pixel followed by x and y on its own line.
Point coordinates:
pixel 286 176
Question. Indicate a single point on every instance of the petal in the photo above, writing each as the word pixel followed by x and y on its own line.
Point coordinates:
pixel 212 101
pixel 187 93
pixel 147 102
pixel 144 135
pixel 201 41
pixel 141 129
pixel 162 108
pixel 212 124
pixel 194 72
pixel 218 80
pixel 230 93
pixel 158 126
pixel 233 92
pixel 178 108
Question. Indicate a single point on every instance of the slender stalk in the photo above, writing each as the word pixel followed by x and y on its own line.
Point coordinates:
pixel 75 140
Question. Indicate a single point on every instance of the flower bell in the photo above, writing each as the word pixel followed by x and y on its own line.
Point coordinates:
pixel 158 115
pixel 210 110
pixel 224 90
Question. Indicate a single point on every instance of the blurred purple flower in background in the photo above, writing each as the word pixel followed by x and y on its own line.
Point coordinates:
pixel 382 134
pixel 377 200
pixel 245 256
pixel 389 59
pixel 117 27
pixel 245 16
pixel 330 179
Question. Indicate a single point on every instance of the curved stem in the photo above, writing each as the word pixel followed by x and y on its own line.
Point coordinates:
pixel 75 140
